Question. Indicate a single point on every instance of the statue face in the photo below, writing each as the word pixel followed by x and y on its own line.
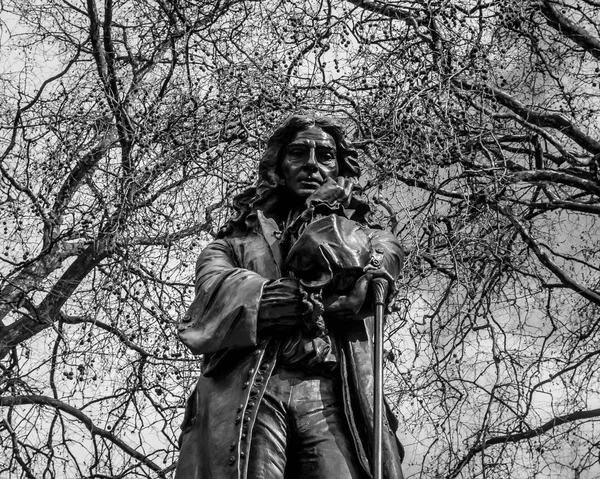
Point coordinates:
pixel 310 158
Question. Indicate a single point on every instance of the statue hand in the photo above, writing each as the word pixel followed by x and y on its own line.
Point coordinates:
pixel 281 304
pixel 350 303
pixel 333 192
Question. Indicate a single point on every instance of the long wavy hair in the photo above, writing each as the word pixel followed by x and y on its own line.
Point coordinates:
pixel 270 187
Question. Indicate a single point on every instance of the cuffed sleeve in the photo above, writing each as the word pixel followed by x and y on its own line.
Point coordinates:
pixel 281 304
pixel 224 313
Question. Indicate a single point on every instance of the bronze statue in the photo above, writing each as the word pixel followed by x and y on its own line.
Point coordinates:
pixel 281 317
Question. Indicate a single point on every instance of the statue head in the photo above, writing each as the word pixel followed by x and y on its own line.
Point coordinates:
pixel 301 153
pixel 271 168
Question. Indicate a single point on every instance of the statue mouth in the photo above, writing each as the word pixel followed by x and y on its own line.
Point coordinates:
pixel 310 183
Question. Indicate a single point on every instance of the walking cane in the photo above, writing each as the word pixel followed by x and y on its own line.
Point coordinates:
pixel 380 288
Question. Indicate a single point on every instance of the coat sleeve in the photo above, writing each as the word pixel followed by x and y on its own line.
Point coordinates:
pixel 224 313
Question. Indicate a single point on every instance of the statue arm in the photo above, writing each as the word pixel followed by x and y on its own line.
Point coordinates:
pixel 357 301
pixel 234 304
pixel 224 312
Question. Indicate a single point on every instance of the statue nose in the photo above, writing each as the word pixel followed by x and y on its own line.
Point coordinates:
pixel 312 159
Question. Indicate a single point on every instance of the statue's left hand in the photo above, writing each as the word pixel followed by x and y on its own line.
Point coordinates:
pixel 351 303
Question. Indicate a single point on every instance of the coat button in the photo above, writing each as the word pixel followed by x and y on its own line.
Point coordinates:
pixel 251 371
pixel 238 419
pixel 245 385
pixel 240 407
pixel 232 446
pixel 231 460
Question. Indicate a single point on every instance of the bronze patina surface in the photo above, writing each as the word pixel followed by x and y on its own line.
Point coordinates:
pixel 281 318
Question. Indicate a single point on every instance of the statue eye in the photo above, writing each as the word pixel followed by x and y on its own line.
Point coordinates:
pixel 327 158
pixel 295 151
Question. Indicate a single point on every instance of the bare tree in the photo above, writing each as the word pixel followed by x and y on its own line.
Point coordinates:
pixel 129 125
pixel 495 132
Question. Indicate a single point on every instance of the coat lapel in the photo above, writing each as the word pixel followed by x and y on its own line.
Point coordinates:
pixel 272 235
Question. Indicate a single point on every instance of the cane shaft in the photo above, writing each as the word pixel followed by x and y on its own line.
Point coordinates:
pixel 379 293
pixel 378 399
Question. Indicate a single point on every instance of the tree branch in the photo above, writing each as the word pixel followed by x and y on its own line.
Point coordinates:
pixel 88 423
pixel 548 263
pixel 572 31
pixel 48 311
pixel 15 128
pixel 386 10
pixel 547 120
pixel 71 184
pixel 556 177
pixel 516 437
pixel 108 328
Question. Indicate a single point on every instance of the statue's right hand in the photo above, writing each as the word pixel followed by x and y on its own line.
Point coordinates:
pixel 352 302
pixel 331 191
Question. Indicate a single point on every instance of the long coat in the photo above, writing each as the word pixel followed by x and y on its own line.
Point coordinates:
pixel 222 324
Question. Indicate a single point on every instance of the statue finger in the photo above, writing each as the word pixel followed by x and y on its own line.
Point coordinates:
pixel 374 272
pixel 348 187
